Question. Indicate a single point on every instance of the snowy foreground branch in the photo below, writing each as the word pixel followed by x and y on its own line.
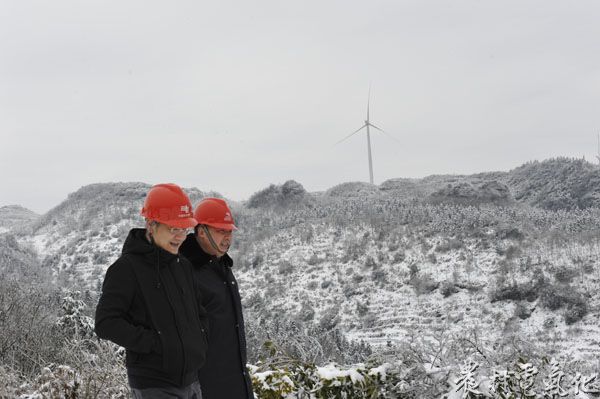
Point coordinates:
pixel 297 379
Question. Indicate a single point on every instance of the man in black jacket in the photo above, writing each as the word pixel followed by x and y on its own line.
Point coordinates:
pixel 224 375
pixel 149 305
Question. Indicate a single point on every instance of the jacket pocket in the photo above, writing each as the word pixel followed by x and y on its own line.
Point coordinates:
pixel 196 344
pixel 172 355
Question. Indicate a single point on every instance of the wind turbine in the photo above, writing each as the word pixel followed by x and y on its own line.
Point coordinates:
pixel 367 125
pixel 598 156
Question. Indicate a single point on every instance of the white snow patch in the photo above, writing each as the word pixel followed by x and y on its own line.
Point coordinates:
pixel 38 242
pixel 380 371
pixel 332 372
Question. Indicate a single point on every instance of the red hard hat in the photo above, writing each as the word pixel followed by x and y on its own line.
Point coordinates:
pixel 214 212
pixel 168 204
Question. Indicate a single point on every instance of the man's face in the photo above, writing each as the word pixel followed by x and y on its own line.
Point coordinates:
pixel 167 237
pixel 221 237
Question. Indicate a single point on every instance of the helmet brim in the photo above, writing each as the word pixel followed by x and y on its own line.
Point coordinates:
pixel 224 226
pixel 183 223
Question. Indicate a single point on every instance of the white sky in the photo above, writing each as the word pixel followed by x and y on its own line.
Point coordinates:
pixel 234 95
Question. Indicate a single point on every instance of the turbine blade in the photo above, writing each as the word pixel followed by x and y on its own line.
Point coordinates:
pixel 372 125
pixel 383 131
pixel 352 134
pixel 368 101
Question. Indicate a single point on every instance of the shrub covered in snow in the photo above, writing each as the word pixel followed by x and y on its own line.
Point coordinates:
pixel 281 376
pixel 274 196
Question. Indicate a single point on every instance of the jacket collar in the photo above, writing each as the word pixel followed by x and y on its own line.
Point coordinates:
pixel 136 243
pixel 195 254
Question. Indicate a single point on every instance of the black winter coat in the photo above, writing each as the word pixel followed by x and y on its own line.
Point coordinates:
pixel 224 375
pixel 149 306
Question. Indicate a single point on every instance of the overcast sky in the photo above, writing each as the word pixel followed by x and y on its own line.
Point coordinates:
pixel 232 96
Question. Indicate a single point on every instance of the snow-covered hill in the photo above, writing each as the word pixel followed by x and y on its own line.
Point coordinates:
pixel 398 273
pixel 404 287
pixel 559 183
pixel 446 262
pixel 15 216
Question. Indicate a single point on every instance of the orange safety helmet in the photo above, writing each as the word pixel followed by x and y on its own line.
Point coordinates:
pixel 168 204
pixel 214 212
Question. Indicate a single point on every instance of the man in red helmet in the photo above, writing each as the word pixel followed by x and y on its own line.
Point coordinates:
pixel 149 304
pixel 224 374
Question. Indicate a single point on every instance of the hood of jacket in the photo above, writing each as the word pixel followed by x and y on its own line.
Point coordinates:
pixel 137 243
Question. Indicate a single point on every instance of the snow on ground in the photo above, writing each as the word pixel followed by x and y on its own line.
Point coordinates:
pixel 376 298
pixel 39 243
pixel 86 254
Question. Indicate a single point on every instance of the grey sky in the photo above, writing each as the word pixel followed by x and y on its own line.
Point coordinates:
pixel 234 95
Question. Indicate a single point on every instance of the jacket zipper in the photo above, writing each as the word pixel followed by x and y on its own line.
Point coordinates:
pixel 178 331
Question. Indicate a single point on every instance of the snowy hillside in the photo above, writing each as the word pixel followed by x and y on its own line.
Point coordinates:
pixel 15 216
pixel 393 273
pixel 431 271
pixel 381 267
pixel 560 183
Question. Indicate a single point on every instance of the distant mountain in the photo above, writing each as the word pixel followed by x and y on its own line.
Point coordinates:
pixel 560 183
pixel 428 186
pixel 353 189
pixel 12 216
pixel 290 193
pixel 473 193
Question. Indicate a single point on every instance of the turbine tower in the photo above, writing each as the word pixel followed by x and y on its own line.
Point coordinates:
pixel 367 125
pixel 598 156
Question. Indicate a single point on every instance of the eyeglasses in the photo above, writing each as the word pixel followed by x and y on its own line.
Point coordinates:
pixel 176 231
